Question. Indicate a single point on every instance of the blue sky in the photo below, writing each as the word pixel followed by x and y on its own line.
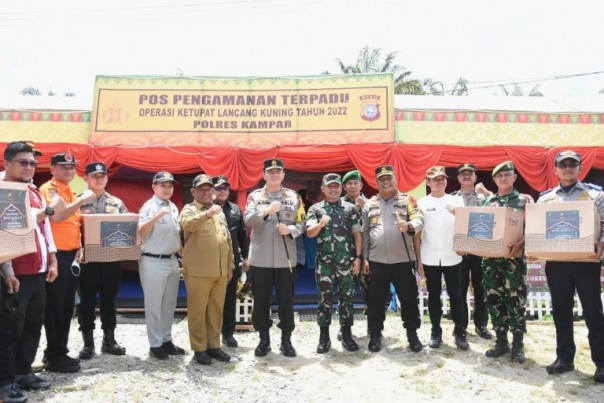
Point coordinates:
pixel 64 44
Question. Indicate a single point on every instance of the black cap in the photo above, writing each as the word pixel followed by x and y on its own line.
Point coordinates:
pixel 332 178
pixel 17 147
pixel 274 163
pixel 568 155
pixel 202 179
pixel 384 170
pixel 163 176
pixel 63 159
pixel 466 167
pixel 95 168
pixel 221 180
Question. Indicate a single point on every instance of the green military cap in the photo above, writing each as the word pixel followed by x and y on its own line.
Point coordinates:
pixel 384 170
pixel 466 167
pixel 504 166
pixel 568 155
pixel 202 179
pixel 332 178
pixel 351 176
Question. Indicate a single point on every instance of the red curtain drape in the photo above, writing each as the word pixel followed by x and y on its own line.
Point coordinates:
pixel 243 166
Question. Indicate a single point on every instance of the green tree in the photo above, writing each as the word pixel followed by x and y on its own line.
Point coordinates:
pixel 517 91
pixel 370 61
pixel 433 87
pixel 30 91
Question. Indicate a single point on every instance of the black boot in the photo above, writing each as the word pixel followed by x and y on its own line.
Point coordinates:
pixel 110 346
pixel 88 349
pixel 414 344
pixel 347 341
pixel 324 341
pixel 502 346
pixel 287 348
pixel 375 341
pixel 264 346
pixel 518 348
pixel 460 338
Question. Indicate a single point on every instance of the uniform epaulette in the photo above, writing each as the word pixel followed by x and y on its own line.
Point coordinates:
pixel 593 187
pixel 546 192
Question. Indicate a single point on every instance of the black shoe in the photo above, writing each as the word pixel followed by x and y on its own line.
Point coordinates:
pixel 517 355
pixel 172 349
pixel 324 340
pixel 347 341
pixel 31 381
pixel 287 348
pixel 219 354
pixel 502 346
pixel 375 341
pixel 560 367
pixel 599 375
pixel 63 363
pixel 110 346
pixel 435 341
pixel 159 353
pixel 203 358
pixel 229 341
pixel 414 344
pixel 11 394
pixel 88 350
pixel 483 332
pixel 264 346
pixel 460 338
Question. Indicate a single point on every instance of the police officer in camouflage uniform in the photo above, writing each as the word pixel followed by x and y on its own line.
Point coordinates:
pixel 390 221
pixel 504 278
pixel 336 225
pixel 564 278
pixel 99 277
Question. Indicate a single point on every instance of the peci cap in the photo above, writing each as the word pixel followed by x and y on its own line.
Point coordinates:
pixel 202 179
pixel 274 163
pixel 95 168
pixel 221 180
pixel 163 176
pixel 351 176
pixel 466 167
pixel 332 178
pixel 63 159
pixel 437 170
pixel 504 166
pixel 568 155
pixel 384 170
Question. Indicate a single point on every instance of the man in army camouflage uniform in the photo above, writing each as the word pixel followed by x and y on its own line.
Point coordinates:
pixel 504 278
pixel 389 257
pixel 336 225
pixel 564 278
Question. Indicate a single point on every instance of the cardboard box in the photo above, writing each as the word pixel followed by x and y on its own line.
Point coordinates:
pixel 564 231
pixel 487 231
pixel 110 237
pixel 17 231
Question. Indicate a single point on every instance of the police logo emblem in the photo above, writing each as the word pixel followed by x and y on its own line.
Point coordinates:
pixel 68 158
pixel 98 167
pixel 274 163
pixel 370 107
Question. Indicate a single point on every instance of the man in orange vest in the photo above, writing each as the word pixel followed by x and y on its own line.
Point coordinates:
pixel 60 294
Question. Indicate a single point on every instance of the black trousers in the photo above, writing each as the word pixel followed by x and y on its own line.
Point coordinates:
pixel 60 299
pixel 403 278
pixel 20 330
pixel 563 278
pixel 434 276
pixel 230 304
pixel 263 280
pixel 102 278
pixel 471 269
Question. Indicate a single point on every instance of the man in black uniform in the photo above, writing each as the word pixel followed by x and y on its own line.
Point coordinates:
pixel 240 242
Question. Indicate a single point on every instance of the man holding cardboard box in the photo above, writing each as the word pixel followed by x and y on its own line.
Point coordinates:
pixel 101 277
pixel 22 316
pixel 564 278
pixel 61 292
pixel 438 258
pixel 390 221
pixel 504 278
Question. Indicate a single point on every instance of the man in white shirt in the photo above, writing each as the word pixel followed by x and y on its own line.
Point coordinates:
pixel 437 256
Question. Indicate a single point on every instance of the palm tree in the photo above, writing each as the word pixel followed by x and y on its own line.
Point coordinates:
pixel 30 91
pixel 433 87
pixel 369 61
pixel 461 87
pixel 517 91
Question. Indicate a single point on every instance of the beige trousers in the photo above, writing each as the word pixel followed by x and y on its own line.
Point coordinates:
pixel 205 303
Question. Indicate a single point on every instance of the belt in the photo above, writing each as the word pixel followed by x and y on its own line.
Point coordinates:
pixel 161 256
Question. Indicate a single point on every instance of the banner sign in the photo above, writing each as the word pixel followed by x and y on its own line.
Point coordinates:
pixel 178 111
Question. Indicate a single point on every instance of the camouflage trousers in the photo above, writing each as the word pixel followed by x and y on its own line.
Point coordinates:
pixel 505 286
pixel 326 275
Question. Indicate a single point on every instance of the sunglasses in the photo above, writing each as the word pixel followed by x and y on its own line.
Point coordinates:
pixel 571 165
pixel 26 163
pixel 222 189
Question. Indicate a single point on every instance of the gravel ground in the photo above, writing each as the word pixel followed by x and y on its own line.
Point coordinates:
pixel 445 374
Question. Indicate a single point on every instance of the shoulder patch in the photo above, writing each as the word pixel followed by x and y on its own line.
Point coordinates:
pixel 546 192
pixel 593 187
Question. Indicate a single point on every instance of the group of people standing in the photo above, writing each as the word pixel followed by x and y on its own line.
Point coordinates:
pixel 383 240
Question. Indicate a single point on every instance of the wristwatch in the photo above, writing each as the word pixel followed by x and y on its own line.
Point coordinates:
pixel 49 211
